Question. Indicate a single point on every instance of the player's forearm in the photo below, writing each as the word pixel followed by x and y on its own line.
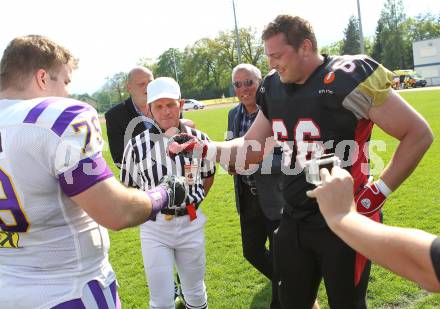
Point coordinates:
pixel 407 156
pixel 114 206
pixel 207 184
pixel 403 251
pixel 239 152
pixel 136 209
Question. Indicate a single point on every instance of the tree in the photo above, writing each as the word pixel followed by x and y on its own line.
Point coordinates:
pixel 117 84
pixel 423 27
pixel 113 92
pixel 252 48
pixel 389 47
pixel 351 45
pixel 169 64
pixel 333 49
pixel 204 69
pixel 377 49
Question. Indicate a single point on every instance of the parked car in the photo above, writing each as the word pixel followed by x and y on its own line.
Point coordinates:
pixel 420 82
pixel 192 104
pixel 410 79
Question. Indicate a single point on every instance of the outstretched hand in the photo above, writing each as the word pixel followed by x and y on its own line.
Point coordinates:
pixel 187 145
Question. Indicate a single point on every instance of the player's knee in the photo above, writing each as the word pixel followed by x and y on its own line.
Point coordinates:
pixel 162 303
pixel 195 295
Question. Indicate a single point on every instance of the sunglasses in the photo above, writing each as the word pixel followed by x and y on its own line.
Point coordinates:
pixel 246 83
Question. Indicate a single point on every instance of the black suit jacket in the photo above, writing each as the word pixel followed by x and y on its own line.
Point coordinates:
pixel 268 184
pixel 119 132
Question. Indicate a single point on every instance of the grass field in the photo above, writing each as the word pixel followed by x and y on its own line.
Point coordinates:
pixel 232 283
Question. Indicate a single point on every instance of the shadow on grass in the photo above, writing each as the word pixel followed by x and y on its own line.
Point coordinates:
pixel 262 298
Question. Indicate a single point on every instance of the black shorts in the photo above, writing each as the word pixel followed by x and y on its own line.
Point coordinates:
pixel 435 256
pixel 304 254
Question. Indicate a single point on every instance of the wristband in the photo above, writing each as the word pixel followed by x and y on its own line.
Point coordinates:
pixel 211 151
pixel 159 199
pixel 382 186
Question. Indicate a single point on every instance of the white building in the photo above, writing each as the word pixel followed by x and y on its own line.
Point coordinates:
pixel 427 60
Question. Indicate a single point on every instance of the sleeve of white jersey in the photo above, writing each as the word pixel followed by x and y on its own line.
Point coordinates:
pixel 78 158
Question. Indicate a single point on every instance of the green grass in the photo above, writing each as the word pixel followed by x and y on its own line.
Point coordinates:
pixel 233 283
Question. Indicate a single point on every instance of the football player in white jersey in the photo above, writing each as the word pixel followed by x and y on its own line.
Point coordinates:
pixel 57 194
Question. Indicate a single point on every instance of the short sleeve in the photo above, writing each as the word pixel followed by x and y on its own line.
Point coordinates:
pixel 261 97
pixel 78 157
pixel 372 85
pixel 435 256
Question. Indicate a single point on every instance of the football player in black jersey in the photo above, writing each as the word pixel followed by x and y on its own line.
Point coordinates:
pixel 316 104
pixel 410 253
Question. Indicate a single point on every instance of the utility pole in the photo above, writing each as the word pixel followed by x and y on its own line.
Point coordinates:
pixel 175 66
pixel 237 34
pixel 361 34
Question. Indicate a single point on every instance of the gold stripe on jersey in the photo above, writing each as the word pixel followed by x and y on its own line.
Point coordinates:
pixel 377 86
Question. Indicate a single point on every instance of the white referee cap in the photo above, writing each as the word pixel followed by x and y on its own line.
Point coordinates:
pixel 162 87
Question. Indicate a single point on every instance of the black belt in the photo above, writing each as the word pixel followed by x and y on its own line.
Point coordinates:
pixel 178 212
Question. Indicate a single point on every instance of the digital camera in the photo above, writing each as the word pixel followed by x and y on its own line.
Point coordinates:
pixel 312 167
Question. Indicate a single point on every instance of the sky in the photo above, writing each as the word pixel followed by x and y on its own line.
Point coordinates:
pixel 111 36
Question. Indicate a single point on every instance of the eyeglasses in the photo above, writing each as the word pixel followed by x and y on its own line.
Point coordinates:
pixel 246 83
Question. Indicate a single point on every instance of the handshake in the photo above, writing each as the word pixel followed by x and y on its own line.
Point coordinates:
pixel 176 188
pixel 169 194
pixel 190 147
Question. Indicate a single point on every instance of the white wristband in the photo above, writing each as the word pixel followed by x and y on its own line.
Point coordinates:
pixel 211 151
pixel 382 186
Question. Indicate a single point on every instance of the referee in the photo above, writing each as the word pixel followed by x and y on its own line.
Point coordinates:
pixel 176 237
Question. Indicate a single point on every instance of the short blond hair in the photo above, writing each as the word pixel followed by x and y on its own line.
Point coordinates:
pixel 25 55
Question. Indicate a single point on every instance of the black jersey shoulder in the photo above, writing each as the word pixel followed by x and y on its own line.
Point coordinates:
pixel 349 71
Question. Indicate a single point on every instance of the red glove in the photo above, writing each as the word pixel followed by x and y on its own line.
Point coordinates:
pixel 187 145
pixel 369 199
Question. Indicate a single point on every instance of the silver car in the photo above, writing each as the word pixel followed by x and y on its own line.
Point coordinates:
pixel 192 104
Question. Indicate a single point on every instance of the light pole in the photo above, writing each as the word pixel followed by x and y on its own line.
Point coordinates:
pixel 175 66
pixel 361 35
pixel 237 33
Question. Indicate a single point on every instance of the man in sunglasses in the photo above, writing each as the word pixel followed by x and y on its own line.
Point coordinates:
pixel 257 196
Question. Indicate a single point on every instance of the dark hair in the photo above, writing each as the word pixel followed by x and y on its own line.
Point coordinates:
pixel 27 54
pixel 295 29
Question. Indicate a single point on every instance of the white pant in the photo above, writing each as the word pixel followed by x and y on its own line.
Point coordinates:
pixel 181 242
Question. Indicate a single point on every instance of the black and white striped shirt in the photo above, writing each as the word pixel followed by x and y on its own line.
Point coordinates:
pixel 145 162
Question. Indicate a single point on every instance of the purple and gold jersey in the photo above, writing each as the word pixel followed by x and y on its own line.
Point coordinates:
pixel 50 149
pixel 326 114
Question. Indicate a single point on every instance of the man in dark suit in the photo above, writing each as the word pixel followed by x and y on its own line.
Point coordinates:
pixel 258 198
pixel 131 117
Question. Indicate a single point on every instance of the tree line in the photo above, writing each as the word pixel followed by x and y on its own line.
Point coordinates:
pixel 203 69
